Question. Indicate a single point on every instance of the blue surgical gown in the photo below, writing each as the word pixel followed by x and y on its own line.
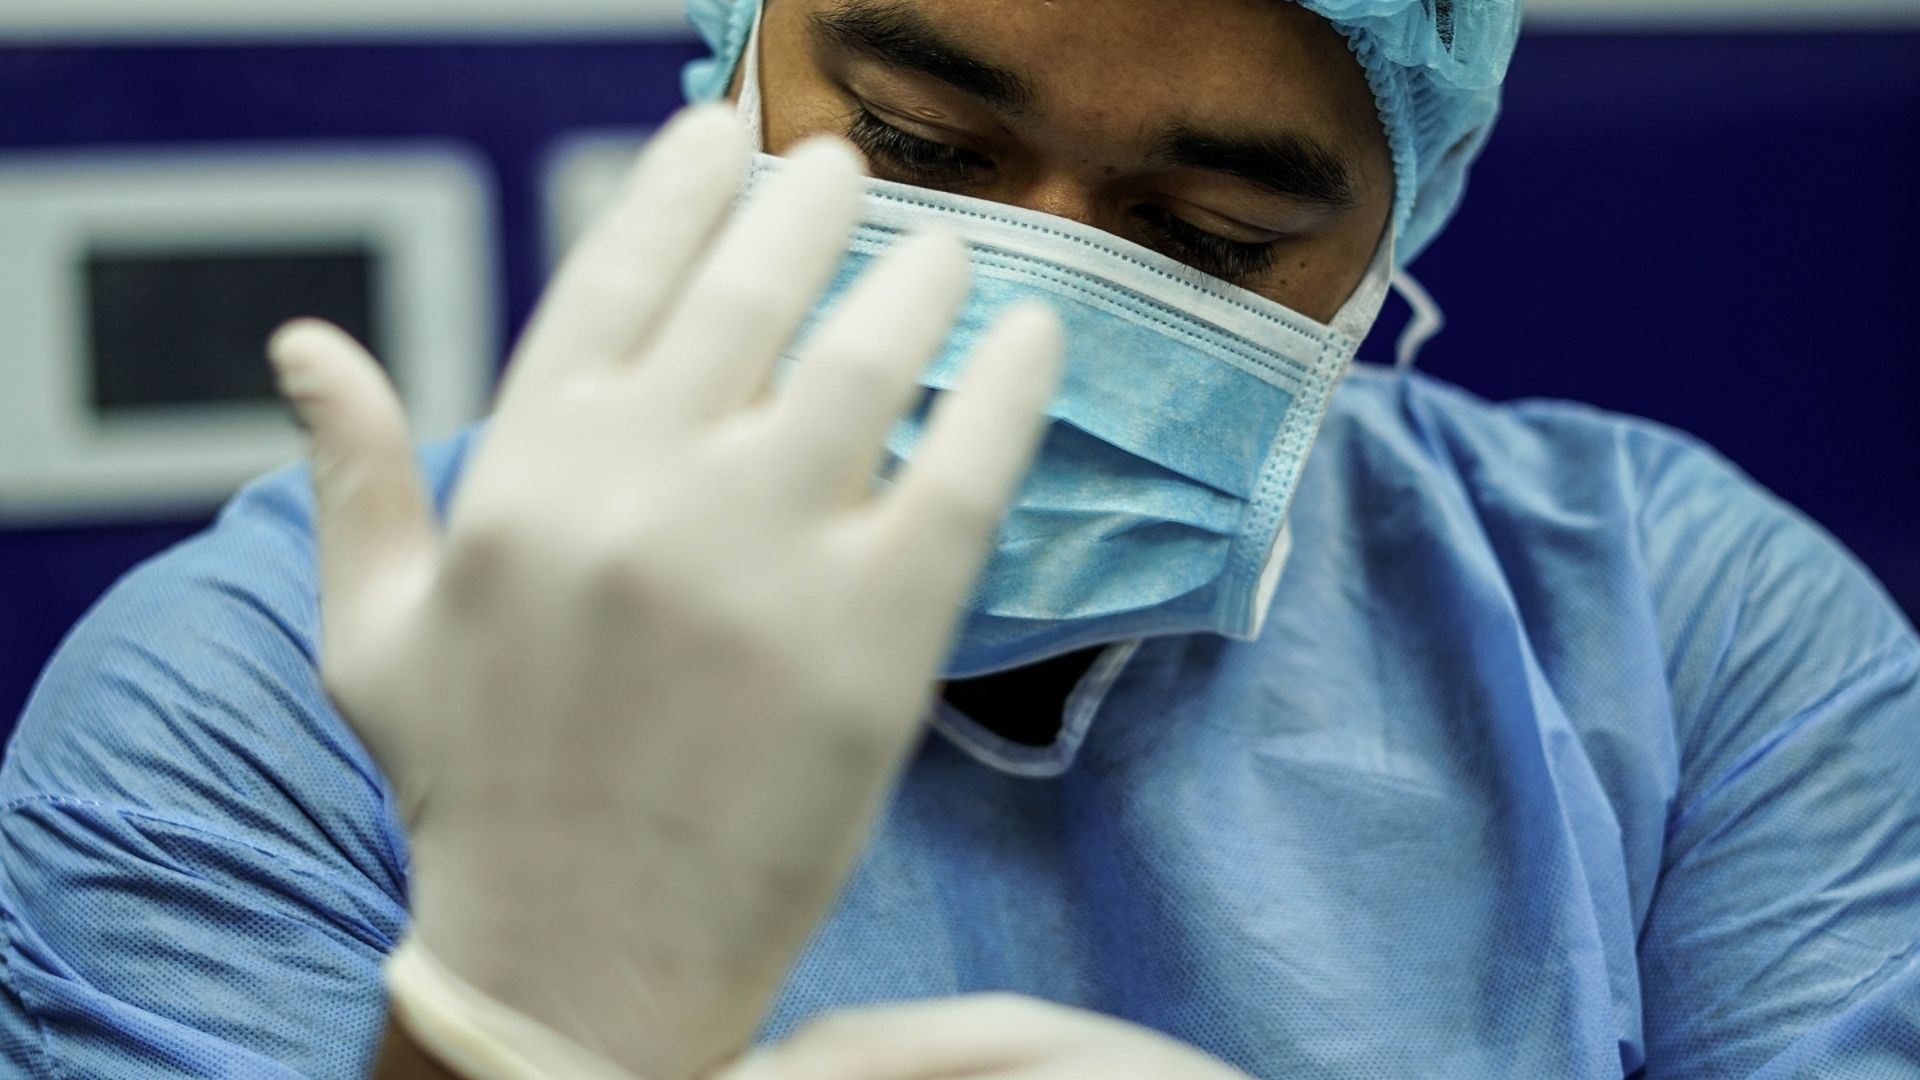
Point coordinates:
pixel 1567 752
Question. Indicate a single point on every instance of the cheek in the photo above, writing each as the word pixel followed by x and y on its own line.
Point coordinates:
pixel 799 100
pixel 1316 277
pixel 797 117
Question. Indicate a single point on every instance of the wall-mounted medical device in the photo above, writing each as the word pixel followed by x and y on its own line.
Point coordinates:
pixel 580 177
pixel 137 291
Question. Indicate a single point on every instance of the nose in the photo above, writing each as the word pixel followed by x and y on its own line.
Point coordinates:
pixel 1061 196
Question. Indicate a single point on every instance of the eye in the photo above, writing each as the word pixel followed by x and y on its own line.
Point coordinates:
pixel 919 161
pixel 1205 251
pixel 927 163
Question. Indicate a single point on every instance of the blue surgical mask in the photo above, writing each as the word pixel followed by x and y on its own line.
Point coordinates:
pixel 1158 502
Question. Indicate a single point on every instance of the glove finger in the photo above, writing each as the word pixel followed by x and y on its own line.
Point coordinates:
pixel 615 283
pixel 756 286
pixel 860 372
pixel 372 517
pixel 980 442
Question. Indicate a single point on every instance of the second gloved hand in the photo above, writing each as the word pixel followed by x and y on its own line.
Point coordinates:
pixel 643 694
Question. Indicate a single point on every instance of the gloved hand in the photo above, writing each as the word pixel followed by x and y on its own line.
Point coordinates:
pixel 978 1038
pixel 643 694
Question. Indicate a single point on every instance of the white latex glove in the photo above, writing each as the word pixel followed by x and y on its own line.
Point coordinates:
pixel 982 1037
pixel 642 696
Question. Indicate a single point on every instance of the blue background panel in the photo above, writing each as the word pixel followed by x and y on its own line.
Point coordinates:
pixel 1714 231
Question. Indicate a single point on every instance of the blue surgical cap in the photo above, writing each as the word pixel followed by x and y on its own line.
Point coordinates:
pixel 1435 67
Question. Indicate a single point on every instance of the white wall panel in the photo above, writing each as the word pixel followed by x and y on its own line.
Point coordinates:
pixel 1723 14
pixel 121 19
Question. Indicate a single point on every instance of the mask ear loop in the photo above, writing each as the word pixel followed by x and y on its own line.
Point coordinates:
pixel 1356 317
pixel 1427 322
pixel 751 106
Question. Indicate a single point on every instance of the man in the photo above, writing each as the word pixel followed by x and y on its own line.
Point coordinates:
pixel 1515 741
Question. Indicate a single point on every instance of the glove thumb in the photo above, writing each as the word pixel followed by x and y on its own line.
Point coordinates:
pixel 373 522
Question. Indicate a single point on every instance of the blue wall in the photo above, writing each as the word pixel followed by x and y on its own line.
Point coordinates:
pixel 1713 231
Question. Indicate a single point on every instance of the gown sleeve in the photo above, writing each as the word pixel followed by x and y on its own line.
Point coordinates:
pixel 1781 937
pixel 200 866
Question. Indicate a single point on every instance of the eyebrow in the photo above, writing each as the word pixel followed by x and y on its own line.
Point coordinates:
pixel 903 37
pixel 1290 164
pixel 1286 163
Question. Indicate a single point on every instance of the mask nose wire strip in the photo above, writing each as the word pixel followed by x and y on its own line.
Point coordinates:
pixel 1427 322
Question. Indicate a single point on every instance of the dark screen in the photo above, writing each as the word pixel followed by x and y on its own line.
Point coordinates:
pixel 190 328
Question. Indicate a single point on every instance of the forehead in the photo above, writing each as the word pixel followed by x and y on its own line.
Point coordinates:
pixel 1235 63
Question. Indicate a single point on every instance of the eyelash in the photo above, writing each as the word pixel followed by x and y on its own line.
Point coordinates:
pixel 928 162
pixel 1202 250
pixel 935 164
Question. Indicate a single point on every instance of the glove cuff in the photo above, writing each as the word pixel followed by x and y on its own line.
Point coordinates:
pixel 476 1035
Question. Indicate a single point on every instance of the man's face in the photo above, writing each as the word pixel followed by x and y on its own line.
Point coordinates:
pixel 1237 136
